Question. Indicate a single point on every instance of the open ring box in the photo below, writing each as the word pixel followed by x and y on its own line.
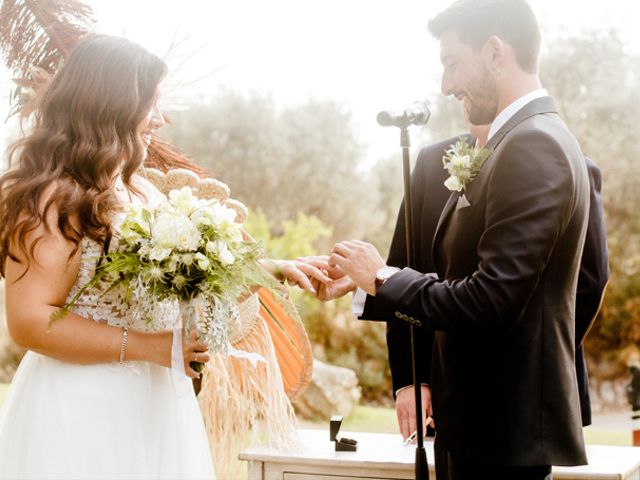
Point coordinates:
pixel 343 444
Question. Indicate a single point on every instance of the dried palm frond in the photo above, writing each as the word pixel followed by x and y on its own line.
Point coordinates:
pixel 35 36
pixel 40 33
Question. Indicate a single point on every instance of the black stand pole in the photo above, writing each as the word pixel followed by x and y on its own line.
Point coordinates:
pixel 422 467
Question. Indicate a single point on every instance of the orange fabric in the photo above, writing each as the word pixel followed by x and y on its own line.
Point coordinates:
pixel 291 343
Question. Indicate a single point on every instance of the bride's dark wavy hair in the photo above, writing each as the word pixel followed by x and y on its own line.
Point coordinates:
pixel 84 132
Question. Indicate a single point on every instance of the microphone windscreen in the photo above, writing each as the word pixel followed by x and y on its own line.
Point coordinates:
pixel 384 119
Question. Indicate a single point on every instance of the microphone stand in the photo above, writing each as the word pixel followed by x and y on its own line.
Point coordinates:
pixel 422 467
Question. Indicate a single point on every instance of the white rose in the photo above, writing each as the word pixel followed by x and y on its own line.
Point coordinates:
pixel 172 231
pixel 454 184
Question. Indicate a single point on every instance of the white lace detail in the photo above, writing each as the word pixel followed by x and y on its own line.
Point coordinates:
pixel 112 307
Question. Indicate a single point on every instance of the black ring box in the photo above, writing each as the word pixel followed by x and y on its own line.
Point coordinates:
pixel 342 444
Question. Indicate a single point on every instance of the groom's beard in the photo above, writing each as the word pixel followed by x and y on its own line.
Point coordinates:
pixel 483 101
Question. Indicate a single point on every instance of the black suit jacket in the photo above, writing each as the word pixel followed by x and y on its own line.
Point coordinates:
pixel 503 301
pixel 429 196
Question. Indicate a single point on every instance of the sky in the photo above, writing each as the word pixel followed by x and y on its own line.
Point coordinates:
pixel 370 55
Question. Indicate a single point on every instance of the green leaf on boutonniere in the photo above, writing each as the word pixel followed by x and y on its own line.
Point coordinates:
pixel 463 162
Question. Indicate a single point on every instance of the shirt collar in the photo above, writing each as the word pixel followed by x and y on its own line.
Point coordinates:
pixel 511 109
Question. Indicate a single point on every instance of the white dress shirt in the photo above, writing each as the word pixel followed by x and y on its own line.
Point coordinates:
pixel 513 108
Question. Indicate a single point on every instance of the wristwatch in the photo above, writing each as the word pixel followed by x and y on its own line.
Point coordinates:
pixel 383 274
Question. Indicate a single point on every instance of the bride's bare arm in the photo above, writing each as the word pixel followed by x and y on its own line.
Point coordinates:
pixel 33 295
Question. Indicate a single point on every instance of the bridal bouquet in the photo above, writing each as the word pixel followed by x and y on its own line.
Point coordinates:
pixel 185 249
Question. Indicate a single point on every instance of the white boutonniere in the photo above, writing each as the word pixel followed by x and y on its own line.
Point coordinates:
pixel 463 163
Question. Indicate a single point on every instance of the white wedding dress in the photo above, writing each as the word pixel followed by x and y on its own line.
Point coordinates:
pixel 106 421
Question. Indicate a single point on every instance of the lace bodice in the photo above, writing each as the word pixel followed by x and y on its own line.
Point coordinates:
pixel 112 307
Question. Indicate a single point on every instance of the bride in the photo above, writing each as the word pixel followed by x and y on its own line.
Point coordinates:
pixel 96 395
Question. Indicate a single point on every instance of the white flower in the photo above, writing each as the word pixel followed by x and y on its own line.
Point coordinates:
pixel 175 232
pixel 187 259
pixel 132 224
pixel 158 254
pixel 155 273
pixel 183 200
pixel 226 257
pixel 461 161
pixel 203 262
pixel 221 251
pixel 222 216
pixel 201 217
pixel 173 262
pixel 234 233
pixel 454 184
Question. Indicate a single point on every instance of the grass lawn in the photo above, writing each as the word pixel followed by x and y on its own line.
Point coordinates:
pixel 607 437
pixel 383 420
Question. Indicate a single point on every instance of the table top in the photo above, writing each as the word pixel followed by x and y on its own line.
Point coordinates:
pixel 386 451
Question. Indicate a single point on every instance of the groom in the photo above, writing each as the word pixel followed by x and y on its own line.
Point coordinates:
pixel 506 253
pixel 428 199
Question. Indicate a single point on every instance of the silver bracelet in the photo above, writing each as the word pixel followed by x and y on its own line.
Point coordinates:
pixel 123 345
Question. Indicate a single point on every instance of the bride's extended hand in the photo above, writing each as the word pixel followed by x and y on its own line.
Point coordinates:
pixel 297 273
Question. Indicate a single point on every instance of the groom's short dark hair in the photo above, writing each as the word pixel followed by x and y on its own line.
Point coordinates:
pixel 476 20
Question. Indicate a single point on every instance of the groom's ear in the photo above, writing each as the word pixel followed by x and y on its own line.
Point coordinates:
pixel 494 54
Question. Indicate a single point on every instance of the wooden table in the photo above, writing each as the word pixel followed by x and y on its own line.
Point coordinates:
pixel 383 457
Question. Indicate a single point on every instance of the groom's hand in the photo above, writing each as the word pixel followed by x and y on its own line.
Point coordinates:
pixel 406 410
pixel 340 283
pixel 360 261
pixel 335 289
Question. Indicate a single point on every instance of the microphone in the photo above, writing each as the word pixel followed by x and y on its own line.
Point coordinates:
pixel 417 113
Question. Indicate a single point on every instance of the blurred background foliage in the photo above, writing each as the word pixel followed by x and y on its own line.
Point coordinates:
pixel 301 171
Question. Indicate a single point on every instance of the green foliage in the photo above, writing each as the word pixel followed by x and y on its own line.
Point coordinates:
pixel 595 82
pixel 296 238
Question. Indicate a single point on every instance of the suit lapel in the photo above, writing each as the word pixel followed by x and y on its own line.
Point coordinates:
pixel 444 216
pixel 535 107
